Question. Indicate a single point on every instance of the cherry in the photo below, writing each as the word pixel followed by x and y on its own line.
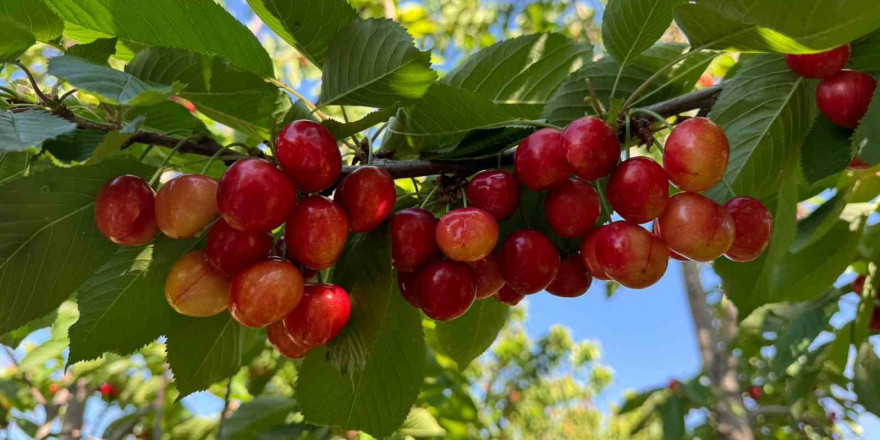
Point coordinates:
pixel 874 325
pixel 192 288
pixel 819 65
pixel 857 163
pixel 696 155
pixel 467 234
pixel 255 196
pixel 494 191
pixel 572 208
pixel 185 204
pixel 588 255
pixel 753 225
pixel 674 385
pixel 368 196
pixel 756 392
pixel 529 261
pixel 572 280
pixel 509 296
pixel 53 388
pixel 265 292
pixel 696 227
pixel 230 251
pixel 638 190
pixel 320 316
pixel 108 390
pixel 488 276
pixel 631 255
pixel 309 155
pixel 844 97
pixel 406 281
pixel 446 289
pixel 284 342
pixel 591 147
pixel 125 211
pixel 316 232
pixel 540 160
pixel 858 286
pixel 669 252
pixel 413 241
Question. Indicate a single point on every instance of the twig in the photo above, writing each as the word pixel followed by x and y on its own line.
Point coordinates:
pixel 159 405
pixel 225 408
pixel 38 396
pixel 43 98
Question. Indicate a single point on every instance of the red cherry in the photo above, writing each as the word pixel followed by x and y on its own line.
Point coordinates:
pixel 638 190
pixel 858 286
pixel 529 261
pixel 413 241
pixel 588 255
pixel 467 234
pixel 185 204
pixel 125 211
pixel 844 97
pixel 874 325
pixel 669 252
pixel 265 292
pixel 696 155
pixel 488 276
pixel 494 191
pixel 309 155
pixel 53 388
pixel 631 255
pixel 407 284
pixel 572 280
pixel 858 164
pixel 108 390
pixel 696 227
pixel 753 225
pixel 446 290
pixel 756 392
pixel 316 232
pixel 284 343
pixel 230 251
pixel 674 385
pixel 368 196
pixel 193 288
pixel 591 147
pixel 255 196
pixel 572 208
pixel 819 65
pixel 540 160
pixel 509 296
pixel 320 316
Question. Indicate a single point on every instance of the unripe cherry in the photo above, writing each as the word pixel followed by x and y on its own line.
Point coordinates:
pixel 588 255
pixel 309 155
pixel 488 277
pixel 284 343
pixel 821 64
pixel 367 195
pixel 265 292
pixel 540 160
pixel 753 225
pixel 230 251
pixel 255 196
pixel 467 234
pixel 631 255
pixel 696 155
pixel 572 279
pixel 125 211
pixel 591 148
pixel 845 96
pixel 320 316
pixel 572 208
pixel 529 261
pixel 186 204
pixel 638 190
pixel 192 288
pixel 509 296
pixel 316 232
pixel 696 227
pixel 413 239
pixel 494 191
pixel 446 289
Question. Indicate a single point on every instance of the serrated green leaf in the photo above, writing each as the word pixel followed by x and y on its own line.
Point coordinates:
pixel 110 85
pixel 827 150
pixel 169 116
pixel 342 130
pixel 49 244
pixel 74 147
pixel 14 40
pixel 468 336
pixel 866 139
pixel 53 348
pixel 819 222
pixel 374 63
pixel 20 131
pixel 13 338
pixel 200 26
pixel 446 110
pixel 115 140
pixel 202 351
pixel 865 374
pixel 420 423
pixel 630 27
pixel 257 416
pixel 34 16
pixel 98 51
pixel 794 340
pixel 865 54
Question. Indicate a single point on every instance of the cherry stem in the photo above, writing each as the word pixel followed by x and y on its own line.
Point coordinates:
pixel 464 198
pixel 658 145
pixel 654 115
pixel 43 98
pixel 631 100
pixel 299 96
pixel 627 129
pixel 220 151
pixel 594 98
pixel 430 195
pixel 534 123
pixel 177 148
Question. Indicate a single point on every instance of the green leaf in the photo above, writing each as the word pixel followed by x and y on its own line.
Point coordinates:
pixel 636 400
pixel 34 16
pixel 865 374
pixel 630 27
pixel 126 292
pixel 375 63
pixel 342 130
pixel 672 416
pixel 420 423
pixel 808 320
pixel 202 351
pixel 115 140
pixel 766 111
pixel 468 336
pixel 446 110
pixel 74 147
pixel 20 131
pixel 819 222
pixel 377 397
pixel 257 416
pixel 110 85
pixel 866 139
pixel 122 426
pixel 14 40
pixel 308 25
pixel 13 165
pixel 13 338
pixel 48 242
pixel 169 116
pixel 53 348
pixel 200 26
pixel 827 150
pixel 865 55
pixel 98 51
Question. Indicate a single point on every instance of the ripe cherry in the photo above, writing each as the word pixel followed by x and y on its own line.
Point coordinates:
pixel 368 196
pixel 588 255
pixel 696 155
pixel 572 208
pixel 529 261
pixel 494 191
pixel 125 211
pixel 265 292
pixel 857 163
pixel 753 225
pixel 488 276
pixel 309 155
pixel 316 232
pixel 108 390
pixel 185 204
pixel 631 255
pixel 591 147
pixel 819 65
pixel 874 325
pixel 255 196
pixel 540 160
pixel 696 227
pixel 509 296
pixel 467 234
pixel 844 97
pixel 446 289
pixel 572 279
pixel 669 252
pixel 230 251
pixel 320 316
pixel 756 392
pixel 284 343
pixel 406 281
pixel 194 289
pixel 638 190
pixel 858 286
pixel 413 239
